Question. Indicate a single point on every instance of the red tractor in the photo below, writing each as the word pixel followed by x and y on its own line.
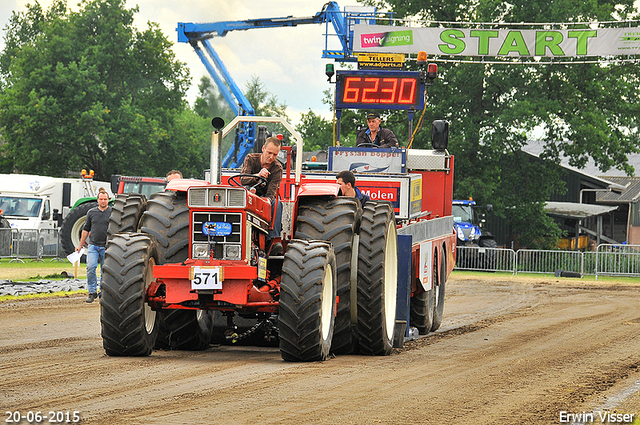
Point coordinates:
pixel 201 251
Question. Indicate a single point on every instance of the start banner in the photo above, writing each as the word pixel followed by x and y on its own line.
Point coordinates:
pixel 498 42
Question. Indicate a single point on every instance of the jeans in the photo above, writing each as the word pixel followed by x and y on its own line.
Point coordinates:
pixel 95 256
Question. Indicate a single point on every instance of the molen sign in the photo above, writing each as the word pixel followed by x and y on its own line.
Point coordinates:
pixel 498 42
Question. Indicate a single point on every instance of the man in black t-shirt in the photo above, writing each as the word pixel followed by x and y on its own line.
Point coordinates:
pixel 96 225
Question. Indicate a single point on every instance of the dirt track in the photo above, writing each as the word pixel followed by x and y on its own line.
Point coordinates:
pixel 508 352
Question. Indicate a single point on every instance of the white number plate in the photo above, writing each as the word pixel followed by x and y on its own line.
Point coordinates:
pixel 206 277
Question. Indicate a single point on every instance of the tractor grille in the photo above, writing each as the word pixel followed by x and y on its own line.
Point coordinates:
pixel 224 247
pixel 217 197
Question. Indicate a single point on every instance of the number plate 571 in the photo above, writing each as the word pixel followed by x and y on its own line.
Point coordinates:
pixel 206 277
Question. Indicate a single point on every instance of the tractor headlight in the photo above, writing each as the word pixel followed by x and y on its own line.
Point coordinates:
pixel 232 252
pixel 200 250
pixel 459 233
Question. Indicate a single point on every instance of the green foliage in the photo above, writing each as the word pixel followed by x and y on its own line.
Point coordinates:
pixel 88 90
pixel 210 103
pixel 316 132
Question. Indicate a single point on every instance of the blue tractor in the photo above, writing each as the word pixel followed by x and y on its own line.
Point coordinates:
pixel 467 224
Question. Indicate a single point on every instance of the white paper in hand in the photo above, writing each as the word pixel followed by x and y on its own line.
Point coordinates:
pixel 75 256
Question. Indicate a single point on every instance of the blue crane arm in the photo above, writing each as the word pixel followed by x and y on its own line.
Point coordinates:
pixel 198 35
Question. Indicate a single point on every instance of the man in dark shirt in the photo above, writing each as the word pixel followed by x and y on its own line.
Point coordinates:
pixel 381 137
pixel 266 165
pixel 96 225
pixel 347 182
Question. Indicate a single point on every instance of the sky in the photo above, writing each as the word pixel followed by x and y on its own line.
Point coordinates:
pixel 288 61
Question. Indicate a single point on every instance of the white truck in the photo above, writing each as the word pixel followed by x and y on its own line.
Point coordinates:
pixel 31 202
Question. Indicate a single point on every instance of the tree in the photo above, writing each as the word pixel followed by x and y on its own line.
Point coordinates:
pixel 210 103
pixel 87 90
pixel 316 132
pixel 582 110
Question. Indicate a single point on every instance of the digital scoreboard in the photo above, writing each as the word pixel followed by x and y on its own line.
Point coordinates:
pixel 376 89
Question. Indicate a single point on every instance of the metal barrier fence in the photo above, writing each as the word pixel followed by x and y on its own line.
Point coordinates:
pixel 608 259
pixel 30 244
pixel 485 259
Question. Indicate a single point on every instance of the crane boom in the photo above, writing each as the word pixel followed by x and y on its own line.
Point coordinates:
pixel 199 36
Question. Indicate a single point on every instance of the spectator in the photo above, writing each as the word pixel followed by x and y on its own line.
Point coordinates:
pixel 347 182
pixel 375 134
pixel 96 226
pixel 266 165
pixel 173 174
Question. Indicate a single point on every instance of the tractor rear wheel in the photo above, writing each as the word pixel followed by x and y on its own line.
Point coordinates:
pixel 438 308
pixel 125 213
pixel 167 219
pixel 184 329
pixel 307 310
pixel 377 279
pixel 129 326
pixel 336 221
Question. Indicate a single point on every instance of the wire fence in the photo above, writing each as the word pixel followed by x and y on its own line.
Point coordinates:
pixel 607 260
pixel 30 244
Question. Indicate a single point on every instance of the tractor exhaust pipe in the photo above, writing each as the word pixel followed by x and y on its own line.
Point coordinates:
pixel 215 177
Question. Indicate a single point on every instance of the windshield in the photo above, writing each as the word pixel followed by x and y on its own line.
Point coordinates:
pixel 20 207
pixel 145 188
pixel 462 214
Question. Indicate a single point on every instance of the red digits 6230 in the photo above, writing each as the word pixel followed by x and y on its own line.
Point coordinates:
pixel 386 90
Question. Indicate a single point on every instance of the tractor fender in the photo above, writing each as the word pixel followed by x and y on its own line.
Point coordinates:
pixel 319 189
pixel 182 185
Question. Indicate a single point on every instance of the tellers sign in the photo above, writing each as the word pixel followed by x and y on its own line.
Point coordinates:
pixel 402 90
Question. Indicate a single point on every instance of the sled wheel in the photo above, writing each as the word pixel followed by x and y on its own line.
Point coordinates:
pixel 438 308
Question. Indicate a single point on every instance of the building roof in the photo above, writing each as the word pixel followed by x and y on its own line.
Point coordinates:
pixel 577 211
pixel 535 147
pixel 630 193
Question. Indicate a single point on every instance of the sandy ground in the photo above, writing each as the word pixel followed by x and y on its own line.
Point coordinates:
pixel 510 351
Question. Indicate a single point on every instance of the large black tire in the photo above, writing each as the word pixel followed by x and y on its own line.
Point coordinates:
pixel 422 304
pixel 438 308
pixel 126 212
pixel 307 310
pixel 71 228
pixel 377 279
pixel 167 219
pixel 184 329
pixel 129 326
pixel 336 221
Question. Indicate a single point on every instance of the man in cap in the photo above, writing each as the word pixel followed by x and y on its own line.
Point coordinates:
pixel 381 137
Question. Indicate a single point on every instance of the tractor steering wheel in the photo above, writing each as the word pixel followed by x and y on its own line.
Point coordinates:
pixel 235 181
pixel 367 145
